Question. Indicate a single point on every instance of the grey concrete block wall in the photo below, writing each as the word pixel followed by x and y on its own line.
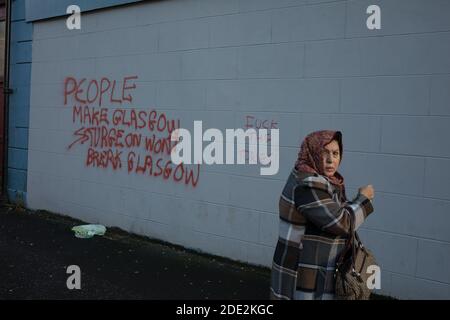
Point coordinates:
pixel 440 95
pixel 303 64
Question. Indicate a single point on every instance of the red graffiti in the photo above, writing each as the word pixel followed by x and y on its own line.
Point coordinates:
pixel 107 132
pixel 152 120
pixel 160 167
pixel 159 145
pixel 104 158
pixel 95 92
pixel 255 123
pixel 252 122
pixel 131 118
pixel 91 116
pixel 104 137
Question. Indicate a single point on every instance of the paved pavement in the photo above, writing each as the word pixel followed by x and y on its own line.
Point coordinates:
pixel 37 247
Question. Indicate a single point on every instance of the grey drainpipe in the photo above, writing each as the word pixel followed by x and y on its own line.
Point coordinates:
pixel 7 91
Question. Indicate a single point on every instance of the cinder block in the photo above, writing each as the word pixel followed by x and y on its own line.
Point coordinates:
pixel 33 157
pixel 110 199
pixel 137 40
pixel 50 193
pixel 412 216
pixel 440 95
pixel 288 157
pixel 262 95
pixel 333 58
pixel 386 95
pixel 321 1
pixel 117 17
pixel 81 46
pixel 17 179
pixel 46 73
pixel 311 22
pixel 45 118
pixel 392 252
pixel 407 287
pixel 255 193
pixel 21 52
pixel 21 31
pixel 34 181
pixel 405 54
pixel 57 27
pixel 224 221
pixel 253 5
pixel 183 35
pixel 21 115
pixel 42 140
pixel 211 187
pixel 240 29
pixel 221 246
pixel 271 61
pixel 387 173
pixel 136 203
pixel 20 96
pixel 144 96
pixel 260 255
pixel 203 8
pixel 317 95
pixel 114 68
pixel 437 171
pixel 268 230
pixel 418 136
pixel 184 94
pixel 398 17
pixel 155 67
pixel 360 132
pixel 83 68
pixel 221 120
pixel 20 74
pixel 236 249
pixel 17 159
pixel 310 95
pixel 164 11
pixel 55 49
pixel 21 138
pixel 181 212
pixel 223 94
pixel 433 261
pixel 210 64
pixel 17 10
pixel 161 209
pixel 288 124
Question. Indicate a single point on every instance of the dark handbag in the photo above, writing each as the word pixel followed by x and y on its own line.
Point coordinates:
pixel 352 269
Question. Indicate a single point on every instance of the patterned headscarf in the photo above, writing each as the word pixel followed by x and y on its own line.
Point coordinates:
pixel 310 155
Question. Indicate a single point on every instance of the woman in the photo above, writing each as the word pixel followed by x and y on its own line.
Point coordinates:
pixel 314 220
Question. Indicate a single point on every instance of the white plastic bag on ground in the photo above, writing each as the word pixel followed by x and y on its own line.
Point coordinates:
pixel 89 230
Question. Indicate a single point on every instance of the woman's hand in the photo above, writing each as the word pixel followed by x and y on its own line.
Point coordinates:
pixel 367 191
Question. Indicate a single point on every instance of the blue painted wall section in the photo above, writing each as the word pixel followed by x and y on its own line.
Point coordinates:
pixel 43 9
pixel 19 101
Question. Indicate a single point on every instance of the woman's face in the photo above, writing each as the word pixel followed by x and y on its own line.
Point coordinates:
pixel 331 158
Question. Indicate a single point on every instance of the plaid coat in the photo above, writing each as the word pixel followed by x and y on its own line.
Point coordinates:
pixel 313 227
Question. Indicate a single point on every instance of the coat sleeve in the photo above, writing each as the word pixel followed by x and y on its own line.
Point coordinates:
pixel 314 199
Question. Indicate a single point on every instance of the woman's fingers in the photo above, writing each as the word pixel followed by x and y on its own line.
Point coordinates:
pixel 368 191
